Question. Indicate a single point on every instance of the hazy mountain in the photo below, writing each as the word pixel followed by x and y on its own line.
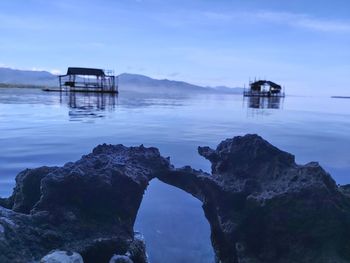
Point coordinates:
pixel 140 83
pixel 224 89
pixel 14 76
pixel 127 82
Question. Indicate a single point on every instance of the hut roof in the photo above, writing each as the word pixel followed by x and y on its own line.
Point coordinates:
pixel 85 71
pixel 266 82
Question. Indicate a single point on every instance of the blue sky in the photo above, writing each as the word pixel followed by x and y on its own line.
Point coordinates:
pixel 300 44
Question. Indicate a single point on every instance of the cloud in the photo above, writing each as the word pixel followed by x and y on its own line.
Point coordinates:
pixel 37 69
pixel 298 20
pixel 304 21
pixel 173 74
pixel 52 71
pixel 3 65
pixel 55 71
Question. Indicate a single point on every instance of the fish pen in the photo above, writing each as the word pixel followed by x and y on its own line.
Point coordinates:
pixel 88 80
pixel 264 88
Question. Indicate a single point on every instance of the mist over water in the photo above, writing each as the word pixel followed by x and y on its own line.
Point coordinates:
pixel 39 128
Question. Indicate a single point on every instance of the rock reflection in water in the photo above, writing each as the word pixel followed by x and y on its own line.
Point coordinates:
pixel 89 105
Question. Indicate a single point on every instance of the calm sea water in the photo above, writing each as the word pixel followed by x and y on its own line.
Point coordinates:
pixel 38 128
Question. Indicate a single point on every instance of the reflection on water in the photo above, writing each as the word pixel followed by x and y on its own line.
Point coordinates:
pixel 88 105
pixel 264 102
pixel 85 106
pixel 95 105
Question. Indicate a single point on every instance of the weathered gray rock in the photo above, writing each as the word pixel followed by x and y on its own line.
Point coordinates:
pixel 269 209
pixel 137 249
pixel 6 202
pixel 120 259
pixel 345 189
pixel 2 231
pixel 261 205
pixel 27 191
pixel 62 257
pixel 88 206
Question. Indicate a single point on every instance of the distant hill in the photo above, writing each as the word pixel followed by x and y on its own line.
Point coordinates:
pixel 127 82
pixel 144 84
pixel 224 89
pixel 27 77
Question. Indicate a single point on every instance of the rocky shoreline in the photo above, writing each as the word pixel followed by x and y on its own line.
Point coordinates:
pixel 261 206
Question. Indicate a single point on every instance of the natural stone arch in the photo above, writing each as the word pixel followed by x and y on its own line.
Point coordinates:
pixel 261 205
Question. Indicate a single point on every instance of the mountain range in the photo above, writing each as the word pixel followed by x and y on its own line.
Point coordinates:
pixel 126 82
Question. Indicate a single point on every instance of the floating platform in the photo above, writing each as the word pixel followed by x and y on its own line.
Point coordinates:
pixel 263 94
pixel 80 90
pixel 264 88
pixel 88 80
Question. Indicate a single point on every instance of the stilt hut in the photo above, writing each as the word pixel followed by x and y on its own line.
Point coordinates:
pixel 264 88
pixel 88 80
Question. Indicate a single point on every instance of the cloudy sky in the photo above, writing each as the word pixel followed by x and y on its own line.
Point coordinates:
pixel 299 43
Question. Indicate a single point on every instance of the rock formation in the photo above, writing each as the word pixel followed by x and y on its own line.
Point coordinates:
pixel 88 207
pixel 62 257
pixel 266 208
pixel 261 206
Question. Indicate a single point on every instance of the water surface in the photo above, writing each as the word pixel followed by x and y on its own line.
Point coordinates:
pixel 38 128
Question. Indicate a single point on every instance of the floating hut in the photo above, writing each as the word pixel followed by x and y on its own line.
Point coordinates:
pixel 264 88
pixel 88 80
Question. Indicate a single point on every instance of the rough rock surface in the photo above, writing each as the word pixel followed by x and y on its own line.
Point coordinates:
pixel 261 206
pixel 345 189
pixel 62 257
pixel 120 259
pixel 88 207
pixel 269 209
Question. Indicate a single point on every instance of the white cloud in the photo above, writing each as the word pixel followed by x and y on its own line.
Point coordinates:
pixel 298 20
pixel 304 21
pixel 52 71
pixel 2 65
pixel 55 71
pixel 37 69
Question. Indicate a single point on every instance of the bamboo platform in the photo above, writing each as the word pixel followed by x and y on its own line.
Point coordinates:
pixel 264 94
pixel 80 90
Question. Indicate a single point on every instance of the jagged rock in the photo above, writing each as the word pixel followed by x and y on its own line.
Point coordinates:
pixel 270 209
pixel 27 191
pixel 137 250
pixel 62 257
pixel 120 259
pixel 261 206
pixel 88 206
pixel 345 189
pixel 3 202
pixel 2 231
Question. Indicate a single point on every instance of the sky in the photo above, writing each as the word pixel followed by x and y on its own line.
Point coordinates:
pixel 303 45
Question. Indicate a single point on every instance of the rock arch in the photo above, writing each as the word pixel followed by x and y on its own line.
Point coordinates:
pixel 261 205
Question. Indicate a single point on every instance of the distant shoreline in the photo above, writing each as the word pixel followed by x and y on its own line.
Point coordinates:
pixel 340 97
pixel 27 86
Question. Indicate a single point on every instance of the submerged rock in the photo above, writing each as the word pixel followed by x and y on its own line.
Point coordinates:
pixel 261 206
